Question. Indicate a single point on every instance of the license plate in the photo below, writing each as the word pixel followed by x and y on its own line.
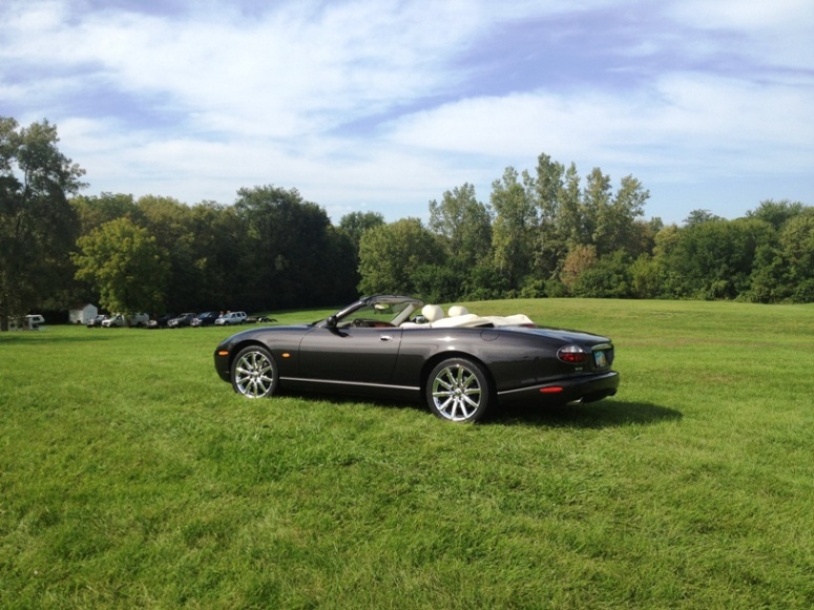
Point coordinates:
pixel 600 359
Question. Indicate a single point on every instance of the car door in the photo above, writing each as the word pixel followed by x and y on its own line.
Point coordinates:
pixel 349 355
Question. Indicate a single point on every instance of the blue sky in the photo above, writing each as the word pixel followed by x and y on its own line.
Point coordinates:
pixel 379 105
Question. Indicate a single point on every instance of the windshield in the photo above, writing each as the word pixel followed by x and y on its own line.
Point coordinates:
pixel 379 312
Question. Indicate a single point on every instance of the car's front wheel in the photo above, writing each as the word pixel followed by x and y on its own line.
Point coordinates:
pixel 459 390
pixel 254 372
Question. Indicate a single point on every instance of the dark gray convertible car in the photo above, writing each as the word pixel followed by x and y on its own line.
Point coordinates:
pixel 392 346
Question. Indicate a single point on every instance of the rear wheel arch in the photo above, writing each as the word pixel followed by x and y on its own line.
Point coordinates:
pixel 431 363
pixel 459 388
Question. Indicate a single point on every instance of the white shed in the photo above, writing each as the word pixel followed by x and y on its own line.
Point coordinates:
pixel 82 313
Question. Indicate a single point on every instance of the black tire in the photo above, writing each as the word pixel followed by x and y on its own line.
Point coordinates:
pixel 254 372
pixel 459 390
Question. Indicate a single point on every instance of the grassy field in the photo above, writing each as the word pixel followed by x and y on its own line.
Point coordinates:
pixel 132 477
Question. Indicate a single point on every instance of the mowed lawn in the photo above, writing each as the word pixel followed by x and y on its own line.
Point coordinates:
pixel 132 477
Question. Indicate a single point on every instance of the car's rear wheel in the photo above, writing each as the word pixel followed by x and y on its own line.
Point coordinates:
pixel 459 390
pixel 254 372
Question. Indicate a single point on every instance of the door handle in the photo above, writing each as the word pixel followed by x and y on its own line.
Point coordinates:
pixel 385 338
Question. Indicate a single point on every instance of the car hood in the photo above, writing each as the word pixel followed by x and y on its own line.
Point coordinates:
pixel 265 330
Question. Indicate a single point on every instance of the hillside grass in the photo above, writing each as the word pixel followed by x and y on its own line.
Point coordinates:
pixel 131 476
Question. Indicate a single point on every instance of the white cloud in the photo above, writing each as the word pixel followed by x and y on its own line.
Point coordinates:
pixel 374 103
pixel 686 118
pixel 777 33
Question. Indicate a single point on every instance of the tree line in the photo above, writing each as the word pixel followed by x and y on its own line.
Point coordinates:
pixel 549 232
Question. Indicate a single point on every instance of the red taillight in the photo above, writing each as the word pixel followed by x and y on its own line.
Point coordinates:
pixel 552 389
pixel 573 354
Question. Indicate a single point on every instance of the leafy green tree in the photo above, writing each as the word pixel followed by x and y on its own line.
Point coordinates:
pixel 288 250
pixel 38 226
pixel 608 278
pixel 347 238
pixel 464 228
pixel 465 224
pixel 219 254
pixel 96 210
pixel 570 222
pixel 714 259
pixel 769 281
pixel 646 277
pixel 617 228
pixel 483 282
pixel 514 231
pixel 170 222
pixel 341 268
pixel 783 270
pixel 393 257
pixel 550 196
pixel 797 246
pixel 596 198
pixel 356 223
pixel 579 260
pixel 776 213
pixel 123 262
pixel 697 217
pixel 436 283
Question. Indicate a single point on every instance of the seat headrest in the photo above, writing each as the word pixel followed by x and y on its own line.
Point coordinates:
pixel 457 310
pixel 432 312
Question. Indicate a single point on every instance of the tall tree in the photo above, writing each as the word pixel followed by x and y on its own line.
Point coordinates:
pixel 715 259
pixel 797 243
pixel 219 253
pixel 125 265
pixel 96 210
pixel 776 213
pixel 465 224
pixel 596 199
pixel 618 220
pixel 514 229
pixel 38 226
pixel 288 249
pixel 392 256
pixel 170 222
pixel 697 217
pixel 548 187
pixel 356 223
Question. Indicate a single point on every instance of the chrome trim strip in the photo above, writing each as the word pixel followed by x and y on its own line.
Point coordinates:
pixel 352 383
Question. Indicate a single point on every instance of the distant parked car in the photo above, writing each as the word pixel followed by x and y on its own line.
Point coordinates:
pixel 33 321
pixel 185 319
pixel 136 320
pixel 96 321
pixel 139 320
pixel 113 321
pixel 259 319
pixel 160 321
pixel 206 318
pixel 231 317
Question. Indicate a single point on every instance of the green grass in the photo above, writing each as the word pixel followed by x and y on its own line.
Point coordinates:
pixel 131 476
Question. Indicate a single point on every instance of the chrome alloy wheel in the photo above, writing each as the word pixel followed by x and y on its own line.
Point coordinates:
pixel 254 373
pixel 459 391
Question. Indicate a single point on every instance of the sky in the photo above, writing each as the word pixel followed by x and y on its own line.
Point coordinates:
pixel 383 105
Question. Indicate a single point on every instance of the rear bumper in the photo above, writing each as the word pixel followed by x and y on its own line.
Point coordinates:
pixel 587 389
